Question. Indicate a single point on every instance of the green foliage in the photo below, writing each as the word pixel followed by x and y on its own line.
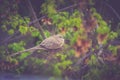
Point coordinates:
pixel 4 28
pixel 37 61
pixel 17 46
pixel 11 60
pixel 113 49
pixel 93 60
pixel 113 35
pixel 56 71
pixel 23 56
pixel 17 20
pixel 47 33
pixel 26 20
pixel 75 21
pixel 62 19
pixel 11 32
pixel 52 78
pixel 23 29
pixel 59 67
pixel 104 72
pixel 48 7
pixel 14 23
pixel 34 32
pixel 73 39
pixel 103 29
pixel 62 56
pixel 95 14
pixel 70 22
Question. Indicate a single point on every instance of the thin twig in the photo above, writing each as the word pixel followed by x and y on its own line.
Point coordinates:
pixel 114 11
pixel 8 38
pixel 34 16
pixel 82 59
pixel 57 11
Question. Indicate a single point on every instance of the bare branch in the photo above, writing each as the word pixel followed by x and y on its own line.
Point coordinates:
pixel 82 59
pixel 34 17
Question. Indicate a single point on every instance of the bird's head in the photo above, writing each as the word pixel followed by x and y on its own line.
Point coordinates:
pixel 59 36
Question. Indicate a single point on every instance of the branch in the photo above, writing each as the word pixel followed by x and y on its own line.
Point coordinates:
pixel 114 11
pixel 82 59
pixel 34 17
pixel 8 38
pixel 30 50
pixel 59 10
pixel 98 52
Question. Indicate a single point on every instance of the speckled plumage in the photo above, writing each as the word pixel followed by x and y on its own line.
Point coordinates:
pixel 53 42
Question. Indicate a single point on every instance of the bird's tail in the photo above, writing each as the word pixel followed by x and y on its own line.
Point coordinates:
pixel 28 50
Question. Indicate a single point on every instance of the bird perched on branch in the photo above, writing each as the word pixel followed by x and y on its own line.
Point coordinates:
pixel 51 43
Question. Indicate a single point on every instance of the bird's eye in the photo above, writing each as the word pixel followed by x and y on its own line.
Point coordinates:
pixel 60 36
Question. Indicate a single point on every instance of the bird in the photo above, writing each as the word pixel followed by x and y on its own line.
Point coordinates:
pixel 51 43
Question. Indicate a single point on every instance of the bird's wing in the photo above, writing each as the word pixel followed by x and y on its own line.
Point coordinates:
pixel 50 43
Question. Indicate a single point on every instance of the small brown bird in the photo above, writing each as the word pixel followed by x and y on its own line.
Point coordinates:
pixel 51 43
